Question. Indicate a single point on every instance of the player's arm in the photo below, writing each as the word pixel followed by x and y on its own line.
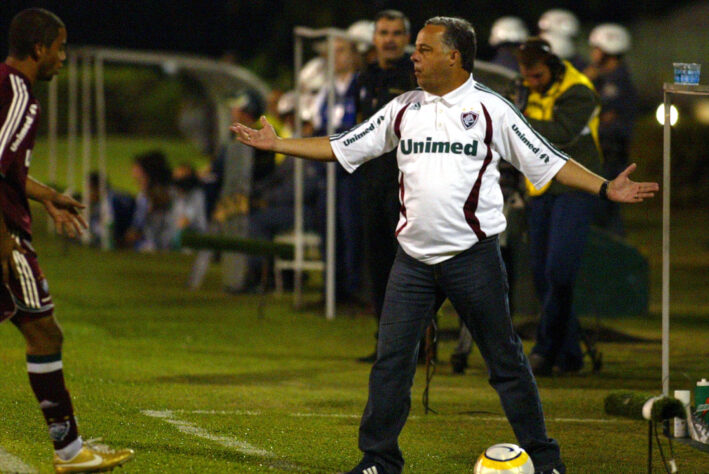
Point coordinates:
pixel 316 148
pixel 621 189
pixel 63 209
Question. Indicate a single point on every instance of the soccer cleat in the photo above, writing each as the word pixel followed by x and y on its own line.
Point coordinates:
pixel 93 458
pixel 367 467
pixel 559 469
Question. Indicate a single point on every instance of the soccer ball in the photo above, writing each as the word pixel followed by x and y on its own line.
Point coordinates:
pixel 504 458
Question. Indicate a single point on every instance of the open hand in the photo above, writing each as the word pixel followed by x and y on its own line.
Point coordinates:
pixel 64 210
pixel 623 189
pixel 264 139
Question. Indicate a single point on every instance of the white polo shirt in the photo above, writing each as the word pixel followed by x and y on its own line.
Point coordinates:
pixel 448 149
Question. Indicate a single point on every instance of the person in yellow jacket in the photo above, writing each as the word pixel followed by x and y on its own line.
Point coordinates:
pixel 562 105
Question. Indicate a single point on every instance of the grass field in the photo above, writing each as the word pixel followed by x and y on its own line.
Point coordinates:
pixel 197 382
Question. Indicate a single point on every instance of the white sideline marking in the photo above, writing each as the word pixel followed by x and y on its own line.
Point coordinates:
pixel 413 417
pixel 194 430
pixel 13 464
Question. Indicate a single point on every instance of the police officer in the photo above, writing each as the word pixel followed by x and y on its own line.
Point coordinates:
pixel 560 27
pixel 609 73
pixel 563 106
pixel 390 75
pixel 506 34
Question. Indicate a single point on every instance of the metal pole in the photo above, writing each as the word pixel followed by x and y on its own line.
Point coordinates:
pixel 666 249
pixel 298 184
pixel 331 185
pixel 106 236
pixel 86 139
pixel 71 126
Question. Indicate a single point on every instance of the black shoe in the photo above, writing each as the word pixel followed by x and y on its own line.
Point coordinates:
pixel 540 365
pixel 558 469
pixel 368 359
pixel 459 362
pixel 367 467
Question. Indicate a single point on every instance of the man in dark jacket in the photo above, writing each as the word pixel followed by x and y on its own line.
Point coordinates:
pixel 390 75
pixel 562 105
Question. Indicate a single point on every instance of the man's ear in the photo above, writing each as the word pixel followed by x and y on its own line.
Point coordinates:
pixel 37 51
pixel 453 57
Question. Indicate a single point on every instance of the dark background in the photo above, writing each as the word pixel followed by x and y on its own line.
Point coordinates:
pixel 259 32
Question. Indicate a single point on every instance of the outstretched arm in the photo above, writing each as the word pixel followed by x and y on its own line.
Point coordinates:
pixel 621 189
pixel 317 148
pixel 63 209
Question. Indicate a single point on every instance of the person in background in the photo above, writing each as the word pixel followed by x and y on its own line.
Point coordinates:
pixel 189 210
pixel 152 228
pixel 272 205
pixel 241 168
pixel 348 240
pixel 561 104
pixel 389 75
pixel 506 34
pixel 363 30
pixel 119 213
pixel 560 28
pixel 619 100
pixel 37 50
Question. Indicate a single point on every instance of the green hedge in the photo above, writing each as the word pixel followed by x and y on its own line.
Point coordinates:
pixel 139 101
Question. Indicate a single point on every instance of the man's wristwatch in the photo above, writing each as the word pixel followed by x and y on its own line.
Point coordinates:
pixel 603 192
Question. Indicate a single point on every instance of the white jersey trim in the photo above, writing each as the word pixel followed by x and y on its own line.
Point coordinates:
pixel 20 98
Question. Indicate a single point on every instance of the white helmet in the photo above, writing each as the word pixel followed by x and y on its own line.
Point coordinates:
pixel 286 103
pixel 561 45
pixel 312 75
pixel 363 30
pixel 610 38
pixel 508 29
pixel 559 21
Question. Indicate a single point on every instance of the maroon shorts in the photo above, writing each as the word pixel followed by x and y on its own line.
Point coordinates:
pixel 27 296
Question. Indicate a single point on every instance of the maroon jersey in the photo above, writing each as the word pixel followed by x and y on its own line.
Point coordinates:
pixel 19 118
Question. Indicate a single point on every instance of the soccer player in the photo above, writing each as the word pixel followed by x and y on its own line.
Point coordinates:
pixel 37 43
pixel 449 138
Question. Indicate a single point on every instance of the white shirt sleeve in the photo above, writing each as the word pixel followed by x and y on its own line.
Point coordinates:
pixel 522 146
pixel 369 139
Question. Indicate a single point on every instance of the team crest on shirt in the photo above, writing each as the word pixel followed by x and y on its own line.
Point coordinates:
pixel 469 119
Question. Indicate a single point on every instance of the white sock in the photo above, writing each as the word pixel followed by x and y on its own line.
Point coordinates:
pixel 70 451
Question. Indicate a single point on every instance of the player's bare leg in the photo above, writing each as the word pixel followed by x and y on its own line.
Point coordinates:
pixel 44 365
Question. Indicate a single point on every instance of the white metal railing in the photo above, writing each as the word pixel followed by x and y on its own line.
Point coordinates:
pixel 81 59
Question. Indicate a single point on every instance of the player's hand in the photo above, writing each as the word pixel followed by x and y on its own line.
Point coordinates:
pixel 264 139
pixel 64 210
pixel 623 189
pixel 8 245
